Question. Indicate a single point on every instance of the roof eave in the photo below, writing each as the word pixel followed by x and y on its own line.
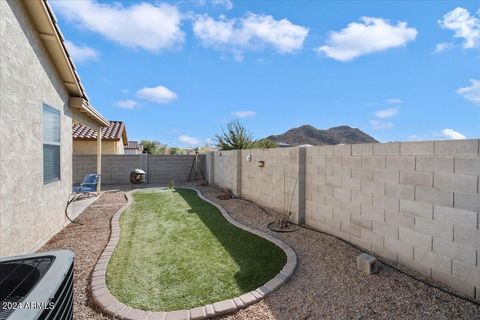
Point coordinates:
pixel 82 105
pixel 45 22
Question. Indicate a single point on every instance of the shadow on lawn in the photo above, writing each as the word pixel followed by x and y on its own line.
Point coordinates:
pixel 259 260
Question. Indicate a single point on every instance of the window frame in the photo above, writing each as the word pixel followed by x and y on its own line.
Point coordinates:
pixel 48 108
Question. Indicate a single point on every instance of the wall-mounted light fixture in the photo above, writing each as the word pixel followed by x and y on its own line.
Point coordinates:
pixel 249 157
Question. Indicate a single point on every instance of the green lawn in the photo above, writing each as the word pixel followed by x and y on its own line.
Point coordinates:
pixel 177 251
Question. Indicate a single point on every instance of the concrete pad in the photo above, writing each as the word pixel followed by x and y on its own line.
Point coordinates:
pixel 80 205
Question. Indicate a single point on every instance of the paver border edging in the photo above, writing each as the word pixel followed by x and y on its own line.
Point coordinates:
pixel 109 304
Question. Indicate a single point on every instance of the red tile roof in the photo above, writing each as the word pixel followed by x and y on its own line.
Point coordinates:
pixel 132 145
pixel 114 132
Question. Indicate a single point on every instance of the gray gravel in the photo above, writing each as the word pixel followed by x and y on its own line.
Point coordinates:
pixel 326 284
pixel 87 241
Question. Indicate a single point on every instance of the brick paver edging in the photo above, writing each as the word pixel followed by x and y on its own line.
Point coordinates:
pixel 109 304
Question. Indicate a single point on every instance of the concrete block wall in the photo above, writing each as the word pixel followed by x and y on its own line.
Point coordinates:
pixel 116 168
pixel 279 184
pixel 164 168
pixel 210 167
pixel 225 170
pixel 82 165
pixel 416 203
pixel 276 185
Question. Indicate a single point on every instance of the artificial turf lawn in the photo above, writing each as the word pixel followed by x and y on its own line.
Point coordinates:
pixel 177 251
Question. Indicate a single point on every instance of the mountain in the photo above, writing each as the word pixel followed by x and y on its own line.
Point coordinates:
pixel 307 134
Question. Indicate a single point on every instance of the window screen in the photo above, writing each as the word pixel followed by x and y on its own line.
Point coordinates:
pixel 51 144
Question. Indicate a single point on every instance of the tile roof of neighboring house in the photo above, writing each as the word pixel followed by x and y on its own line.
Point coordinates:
pixel 132 145
pixel 114 132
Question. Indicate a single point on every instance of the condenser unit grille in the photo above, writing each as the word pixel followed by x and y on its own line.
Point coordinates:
pixel 38 286
pixel 62 301
pixel 18 278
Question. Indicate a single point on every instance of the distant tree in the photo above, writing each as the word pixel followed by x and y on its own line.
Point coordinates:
pixel 235 137
pixel 175 150
pixel 153 147
pixel 263 144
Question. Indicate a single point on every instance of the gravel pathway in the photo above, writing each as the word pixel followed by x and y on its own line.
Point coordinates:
pixel 326 284
pixel 87 241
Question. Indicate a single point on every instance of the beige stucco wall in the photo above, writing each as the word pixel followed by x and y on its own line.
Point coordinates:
pixel 131 151
pixel 30 212
pixel 90 147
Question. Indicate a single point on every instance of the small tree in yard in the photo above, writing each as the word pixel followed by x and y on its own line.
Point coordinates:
pixel 175 150
pixel 235 137
pixel 153 147
pixel 263 144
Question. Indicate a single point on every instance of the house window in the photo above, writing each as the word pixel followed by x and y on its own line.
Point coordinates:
pixel 51 144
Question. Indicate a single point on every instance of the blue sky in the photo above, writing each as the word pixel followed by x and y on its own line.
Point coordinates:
pixel 177 72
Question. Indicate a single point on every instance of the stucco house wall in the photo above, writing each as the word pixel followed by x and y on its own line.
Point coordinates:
pixel 131 151
pixel 90 147
pixel 30 212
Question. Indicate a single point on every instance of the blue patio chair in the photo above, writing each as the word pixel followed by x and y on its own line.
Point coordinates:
pixel 88 185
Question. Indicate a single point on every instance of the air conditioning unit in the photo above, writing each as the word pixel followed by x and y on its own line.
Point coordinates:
pixel 37 286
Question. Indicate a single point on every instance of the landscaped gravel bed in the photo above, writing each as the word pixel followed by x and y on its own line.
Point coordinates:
pixel 87 241
pixel 326 284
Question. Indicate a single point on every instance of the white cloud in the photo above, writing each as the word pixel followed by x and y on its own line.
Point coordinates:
pixel 227 4
pixel 159 94
pixel 380 125
pixel 127 104
pixel 394 101
pixel 143 25
pixel 471 93
pixel 464 25
pixel 386 113
pixel 450 134
pixel 198 3
pixel 443 46
pixel 251 32
pixel 188 140
pixel 81 54
pixel 414 137
pixel 365 37
pixel 244 113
